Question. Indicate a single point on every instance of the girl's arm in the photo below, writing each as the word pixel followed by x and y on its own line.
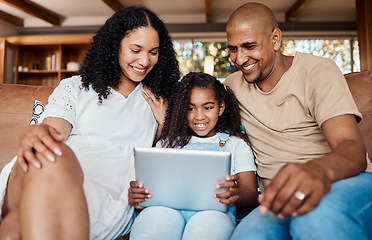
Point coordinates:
pixel 44 139
pixel 247 190
pixel 241 190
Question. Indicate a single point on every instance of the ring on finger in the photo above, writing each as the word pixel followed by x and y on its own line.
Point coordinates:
pixel 299 195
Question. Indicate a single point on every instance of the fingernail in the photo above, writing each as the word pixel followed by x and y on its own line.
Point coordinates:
pixel 24 169
pixel 263 210
pixel 294 214
pixel 147 191
pixel 51 158
pixel 140 185
pixel 37 165
pixel 281 216
pixel 218 186
pixel 58 152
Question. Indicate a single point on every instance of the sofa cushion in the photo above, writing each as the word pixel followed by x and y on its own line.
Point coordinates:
pixel 360 85
pixel 16 105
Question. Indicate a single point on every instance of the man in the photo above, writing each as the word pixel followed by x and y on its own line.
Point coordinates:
pixel 302 123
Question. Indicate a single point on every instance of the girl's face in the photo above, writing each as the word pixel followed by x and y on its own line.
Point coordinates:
pixel 138 53
pixel 204 112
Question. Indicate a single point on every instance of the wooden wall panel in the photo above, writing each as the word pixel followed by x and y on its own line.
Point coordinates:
pixel 364 26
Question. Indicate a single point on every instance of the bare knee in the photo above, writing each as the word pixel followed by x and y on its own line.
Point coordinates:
pixel 10 228
pixel 65 166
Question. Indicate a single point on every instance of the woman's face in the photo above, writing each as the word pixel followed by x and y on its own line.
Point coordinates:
pixel 138 53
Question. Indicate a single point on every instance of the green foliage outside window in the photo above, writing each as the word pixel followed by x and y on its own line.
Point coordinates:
pixel 191 55
pixel 344 52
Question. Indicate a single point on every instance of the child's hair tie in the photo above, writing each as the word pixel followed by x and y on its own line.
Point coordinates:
pixel 242 128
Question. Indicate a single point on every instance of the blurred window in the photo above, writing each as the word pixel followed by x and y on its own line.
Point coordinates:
pixel 213 57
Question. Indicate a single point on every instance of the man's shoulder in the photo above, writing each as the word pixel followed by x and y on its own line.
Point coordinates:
pixel 311 62
pixel 234 79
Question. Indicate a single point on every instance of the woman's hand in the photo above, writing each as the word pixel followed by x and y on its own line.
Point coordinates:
pixel 231 195
pixel 41 138
pixel 137 194
pixel 158 106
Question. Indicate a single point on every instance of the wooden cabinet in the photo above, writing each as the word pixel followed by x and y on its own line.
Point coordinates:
pixel 42 60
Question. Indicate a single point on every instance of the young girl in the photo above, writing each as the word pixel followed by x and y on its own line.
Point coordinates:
pixel 203 115
pixel 81 190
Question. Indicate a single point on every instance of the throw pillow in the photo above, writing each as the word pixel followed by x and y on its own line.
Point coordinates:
pixel 38 109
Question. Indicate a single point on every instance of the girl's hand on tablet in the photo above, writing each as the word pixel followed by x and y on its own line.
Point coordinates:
pixel 137 194
pixel 231 195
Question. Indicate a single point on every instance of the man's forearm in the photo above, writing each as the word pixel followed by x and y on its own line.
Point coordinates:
pixel 346 160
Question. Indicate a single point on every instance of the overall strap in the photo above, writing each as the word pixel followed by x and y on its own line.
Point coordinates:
pixel 224 137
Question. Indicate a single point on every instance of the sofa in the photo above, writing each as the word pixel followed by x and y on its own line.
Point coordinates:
pixel 16 107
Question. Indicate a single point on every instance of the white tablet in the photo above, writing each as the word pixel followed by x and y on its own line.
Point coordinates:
pixel 182 179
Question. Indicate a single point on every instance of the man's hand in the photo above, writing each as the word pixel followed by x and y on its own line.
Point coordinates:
pixel 137 194
pixel 296 189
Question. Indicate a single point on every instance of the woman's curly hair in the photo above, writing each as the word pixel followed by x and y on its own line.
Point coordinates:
pixel 101 69
pixel 177 133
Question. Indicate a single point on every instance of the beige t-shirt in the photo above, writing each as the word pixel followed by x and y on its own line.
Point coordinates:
pixel 284 124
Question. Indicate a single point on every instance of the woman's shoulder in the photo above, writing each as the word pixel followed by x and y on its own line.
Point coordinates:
pixel 70 84
pixel 68 88
pixel 73 81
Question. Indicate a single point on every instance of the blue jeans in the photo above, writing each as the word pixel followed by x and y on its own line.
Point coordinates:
pixel 343 213
pixel 167 223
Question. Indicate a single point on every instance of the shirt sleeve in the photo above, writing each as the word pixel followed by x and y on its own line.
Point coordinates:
pixel 328 94
pixel 158 144
pixel 242 156
pixel 62 102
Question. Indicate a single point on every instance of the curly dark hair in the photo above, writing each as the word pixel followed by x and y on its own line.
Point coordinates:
pixel 101 68
pixel 177 133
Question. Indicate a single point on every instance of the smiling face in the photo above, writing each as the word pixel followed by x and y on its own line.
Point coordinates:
pixel 204 112
pixel 252 50
pixel 138 53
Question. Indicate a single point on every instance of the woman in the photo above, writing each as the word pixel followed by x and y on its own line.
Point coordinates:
pixel 84 145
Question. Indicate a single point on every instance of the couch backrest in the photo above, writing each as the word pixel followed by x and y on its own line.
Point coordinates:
pixel 360 85
pixel 16 106
pixel 17 102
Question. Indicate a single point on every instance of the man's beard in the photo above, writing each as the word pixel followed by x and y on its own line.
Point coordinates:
pixel 256 80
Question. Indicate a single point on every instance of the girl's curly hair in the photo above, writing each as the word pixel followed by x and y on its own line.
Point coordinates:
pixel 101 69
pixel 177 133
